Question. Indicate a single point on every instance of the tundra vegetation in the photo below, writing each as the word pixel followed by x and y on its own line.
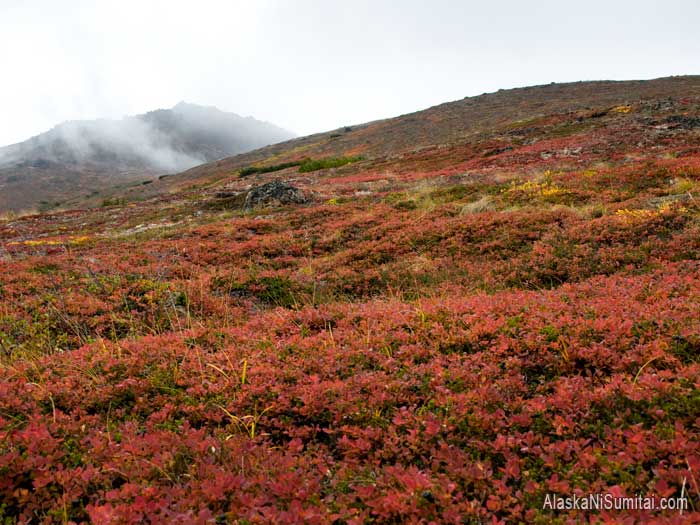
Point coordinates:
pixel 441 336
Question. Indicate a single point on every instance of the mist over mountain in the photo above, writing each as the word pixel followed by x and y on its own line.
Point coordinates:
pixel 86 156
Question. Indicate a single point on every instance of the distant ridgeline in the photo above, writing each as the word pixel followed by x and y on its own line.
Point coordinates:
pixel 79 160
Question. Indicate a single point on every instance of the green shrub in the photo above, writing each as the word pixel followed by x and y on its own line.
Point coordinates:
pixel 115 201
pixel 321 164
pixel 250 170
pixel 305 165
pixel 270 291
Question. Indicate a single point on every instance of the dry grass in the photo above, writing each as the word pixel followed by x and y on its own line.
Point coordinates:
pixel 485 203
pixel 13 215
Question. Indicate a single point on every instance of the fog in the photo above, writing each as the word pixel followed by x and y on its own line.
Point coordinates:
pixel 98 142
pixel 314 65
pixel 163 141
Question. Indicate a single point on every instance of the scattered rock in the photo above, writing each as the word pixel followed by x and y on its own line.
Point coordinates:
pixel 681 121
pixel 275 191
pixel 569 152
pixel 566 152
pixel 660 105
pixel 669 199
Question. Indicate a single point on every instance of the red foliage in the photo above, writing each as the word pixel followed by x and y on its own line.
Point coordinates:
pixel 395 356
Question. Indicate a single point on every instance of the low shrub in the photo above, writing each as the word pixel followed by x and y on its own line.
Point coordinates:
pixel 114 201
pixel 322 164
pixel 250 170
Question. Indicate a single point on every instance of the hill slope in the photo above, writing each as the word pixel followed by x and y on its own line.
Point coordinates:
pixel 448 124
pixel 438 333
pixel 81 158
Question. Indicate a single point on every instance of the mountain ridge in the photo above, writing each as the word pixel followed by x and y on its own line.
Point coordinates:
pixel 444 125
pixel 450 122
pixel 75 155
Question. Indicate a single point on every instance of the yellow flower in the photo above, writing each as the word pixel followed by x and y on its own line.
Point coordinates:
pixel 536 189
pixel 622 109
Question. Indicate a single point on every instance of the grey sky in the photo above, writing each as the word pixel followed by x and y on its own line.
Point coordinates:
pixel 313 65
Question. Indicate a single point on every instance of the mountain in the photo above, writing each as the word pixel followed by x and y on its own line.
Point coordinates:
pixel 81 158
pixel 448 126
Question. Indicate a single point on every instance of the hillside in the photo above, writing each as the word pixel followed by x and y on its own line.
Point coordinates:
pixel 78 163
pixel 469 120
pixel 438 318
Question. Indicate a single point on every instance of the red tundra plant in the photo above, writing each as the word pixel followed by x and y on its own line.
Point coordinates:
pixel 445 335
pixel 445 409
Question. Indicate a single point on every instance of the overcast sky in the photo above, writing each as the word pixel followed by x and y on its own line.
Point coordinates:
pixel 314 65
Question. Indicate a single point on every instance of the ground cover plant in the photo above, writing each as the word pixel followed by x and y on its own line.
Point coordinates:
pixel 250 170
pixel 322 164
pixel 445 335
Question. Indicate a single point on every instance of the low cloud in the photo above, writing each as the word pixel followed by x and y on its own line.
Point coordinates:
pixel 162 141
pixel 127 141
